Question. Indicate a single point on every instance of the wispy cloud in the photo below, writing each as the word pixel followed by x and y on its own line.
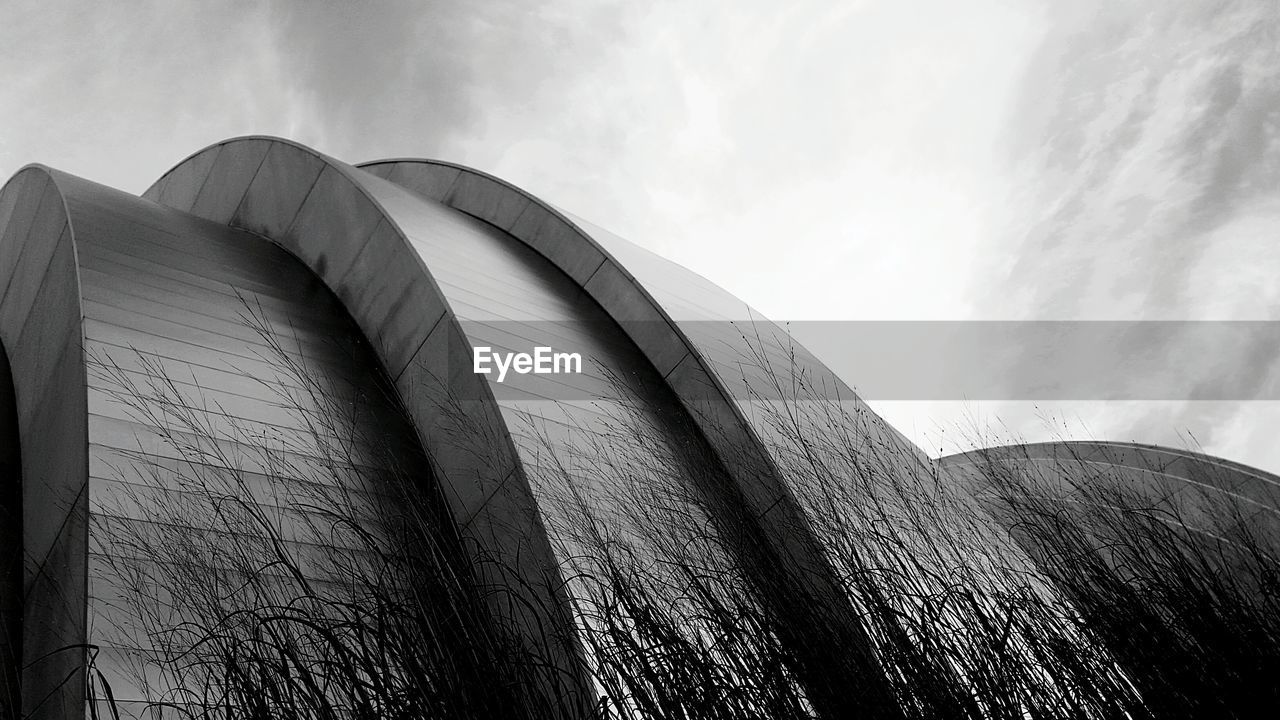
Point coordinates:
pixel 1146 130
pixel 1146 145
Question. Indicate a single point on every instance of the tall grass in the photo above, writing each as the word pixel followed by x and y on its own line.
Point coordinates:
pixel 1178 580
pixel 317 574
pixel 962 621
pixel 309 574
pixel 666 579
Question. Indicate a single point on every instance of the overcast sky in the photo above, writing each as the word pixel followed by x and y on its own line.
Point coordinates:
pixel 882 159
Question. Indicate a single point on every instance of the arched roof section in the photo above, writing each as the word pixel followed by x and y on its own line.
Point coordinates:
pixel 610 284
pixel 42 330
pixel 713 350
pixel 1254 486
pixel 326 214
pixel 731 368
pixel 1216 498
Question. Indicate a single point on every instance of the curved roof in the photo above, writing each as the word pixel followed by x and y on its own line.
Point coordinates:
pixel 383 249
pixel 711 346
pixel 103 292
pixel 1216 499
pixel 360 237
pixel 1206 471
pixel 42 329
pixel 696 374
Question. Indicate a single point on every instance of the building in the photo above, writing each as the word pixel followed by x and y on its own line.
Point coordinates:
pixel 1166 555
pixel 196 377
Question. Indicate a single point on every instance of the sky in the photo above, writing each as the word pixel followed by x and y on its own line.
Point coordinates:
pixel 897 160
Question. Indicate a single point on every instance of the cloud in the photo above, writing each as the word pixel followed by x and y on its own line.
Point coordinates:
pixel 1142 131
pixel 820 160
pixel 718 133
pixel 1145 142
pixel 119 92
pixel 434 78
